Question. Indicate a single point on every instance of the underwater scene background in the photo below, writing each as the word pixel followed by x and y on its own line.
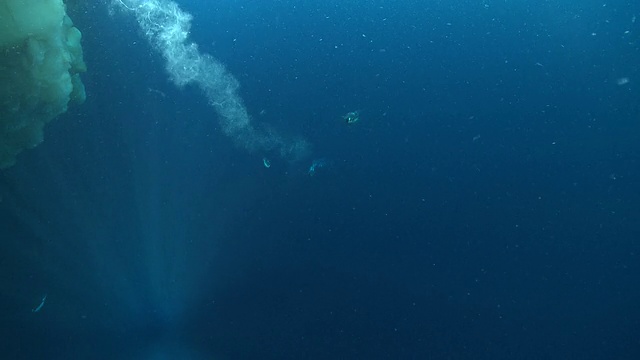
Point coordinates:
pixel 411 180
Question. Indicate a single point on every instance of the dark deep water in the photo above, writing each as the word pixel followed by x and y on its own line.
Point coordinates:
pixel 486 205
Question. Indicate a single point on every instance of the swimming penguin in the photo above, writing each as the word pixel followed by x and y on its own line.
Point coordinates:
pixel 351 117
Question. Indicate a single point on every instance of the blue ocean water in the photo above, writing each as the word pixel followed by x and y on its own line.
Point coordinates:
pixel 484 206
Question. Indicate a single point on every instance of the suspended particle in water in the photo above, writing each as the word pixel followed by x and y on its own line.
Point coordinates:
pixel 622 81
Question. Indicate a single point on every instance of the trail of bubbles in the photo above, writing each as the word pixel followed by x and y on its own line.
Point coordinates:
pixel 166 27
